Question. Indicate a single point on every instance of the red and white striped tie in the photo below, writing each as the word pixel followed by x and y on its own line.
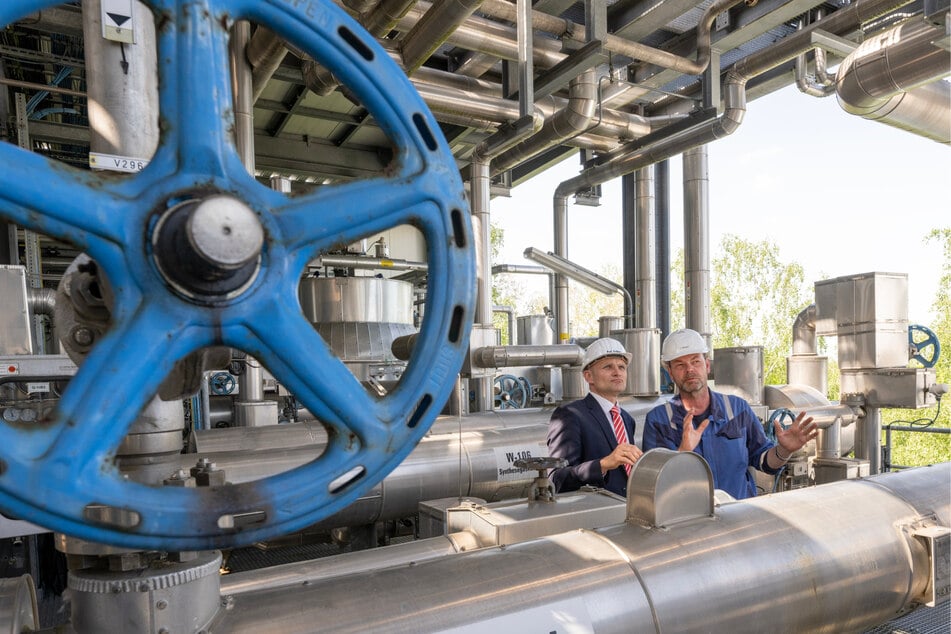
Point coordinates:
pixel 619 432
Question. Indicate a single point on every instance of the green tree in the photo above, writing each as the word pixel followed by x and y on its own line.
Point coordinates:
pixel 509 291
pixel 587 305
pixel 919 448
pixel 754 299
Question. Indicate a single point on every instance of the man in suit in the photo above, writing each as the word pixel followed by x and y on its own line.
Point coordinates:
pixel 594 434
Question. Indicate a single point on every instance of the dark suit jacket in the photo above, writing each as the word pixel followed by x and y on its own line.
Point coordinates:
pixel 581 433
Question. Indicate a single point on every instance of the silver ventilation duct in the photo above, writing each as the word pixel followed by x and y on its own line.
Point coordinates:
pixel 792 561
pixel 895 78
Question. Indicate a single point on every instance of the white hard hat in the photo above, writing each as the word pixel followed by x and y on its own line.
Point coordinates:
pixel 680 343
pixel 604 347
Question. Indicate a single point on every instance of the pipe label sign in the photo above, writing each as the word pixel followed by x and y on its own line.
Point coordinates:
pixel 117 21
pixel 505 458
pixel 99 160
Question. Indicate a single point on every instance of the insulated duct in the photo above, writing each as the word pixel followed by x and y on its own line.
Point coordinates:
pixel 804 332
pixel 571 120
pixel 894 78
pixel 697 242
pixel 431 30
pixel 792 561
pixel 645 307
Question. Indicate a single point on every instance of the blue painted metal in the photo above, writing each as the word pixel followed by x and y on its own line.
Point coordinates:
pixel 222 383
pixel 51 472
pixel 925 345
pixel 512 392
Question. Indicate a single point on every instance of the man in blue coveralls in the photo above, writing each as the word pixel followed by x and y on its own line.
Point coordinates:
pixel 721 428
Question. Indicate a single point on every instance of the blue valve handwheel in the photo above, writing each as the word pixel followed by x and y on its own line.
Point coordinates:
pixel 512 392
pixel 60 473
pixel 222 383
pixel 924 344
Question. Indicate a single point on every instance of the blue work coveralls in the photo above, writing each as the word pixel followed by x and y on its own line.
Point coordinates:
pixel 733 441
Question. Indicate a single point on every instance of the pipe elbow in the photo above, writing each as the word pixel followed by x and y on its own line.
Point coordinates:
pixel 804 332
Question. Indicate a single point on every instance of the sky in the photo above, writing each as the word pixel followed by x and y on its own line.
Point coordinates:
pixel 838 194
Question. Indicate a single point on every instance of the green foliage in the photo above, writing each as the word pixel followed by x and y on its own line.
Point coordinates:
pixel 941 304
pixel 496 240
pixel 588 305
pixel 917 448
pixel 511 291
pixel 754 297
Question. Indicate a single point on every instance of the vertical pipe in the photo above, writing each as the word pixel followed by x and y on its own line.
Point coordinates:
pixel 481 229
pixel 645 313
pixel 251 381
pixel 281 184
pixel 122 86
pixel 697 241
pixel 9 249
pixel 629 244
pixel 526 73
pixel 242 91
pixel 561 282
pixel 868 439
pixel 662 239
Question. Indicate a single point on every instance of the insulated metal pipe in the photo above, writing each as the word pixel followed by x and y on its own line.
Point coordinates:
pixel 697 241
pixel 479 192
pixel 895 78
pixel 573 119
pixel 662 241
pixel 488 36
pixel 363 262
pixel 868 439
pixel 516 356
pixel 837 558
pixel 804 332
pixel 645 314
pixel 471 461
pixel 432 29
pixel 448 93
pixel 307 572
pixel 122 86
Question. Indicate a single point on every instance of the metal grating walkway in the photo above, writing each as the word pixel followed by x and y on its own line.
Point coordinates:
pixel 924 620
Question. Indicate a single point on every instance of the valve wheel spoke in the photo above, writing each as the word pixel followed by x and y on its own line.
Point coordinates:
pixel 42 195
pixel 329 217
pixel 293 351
pixel 195 95
pixel 168 239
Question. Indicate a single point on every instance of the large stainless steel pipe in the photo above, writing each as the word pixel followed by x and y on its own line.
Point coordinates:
pixel 292 436
pixel 446 464
pixel 697 241
pixel 439 466
pixel 645 308
pixel 830 559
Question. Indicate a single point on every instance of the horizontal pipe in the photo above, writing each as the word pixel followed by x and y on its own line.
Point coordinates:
pixel 16 83
pixel 826 415
pixel 517 356
pixel 458 457
pixel 826 559
pixel 362 262
pixel 307 572
pixel 896 78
